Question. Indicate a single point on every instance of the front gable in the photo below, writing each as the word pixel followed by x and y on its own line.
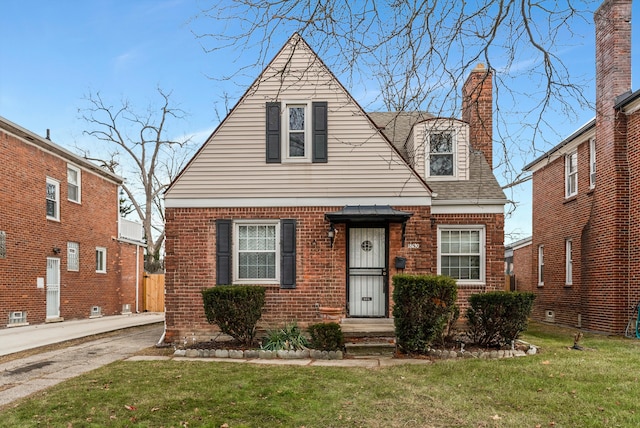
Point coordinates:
pixel 297 138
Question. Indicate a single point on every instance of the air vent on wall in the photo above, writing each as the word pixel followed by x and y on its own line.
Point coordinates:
pixel 96 311
pixel 17 317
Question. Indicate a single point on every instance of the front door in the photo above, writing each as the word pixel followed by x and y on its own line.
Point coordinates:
pixel 53 287
pixel 367 272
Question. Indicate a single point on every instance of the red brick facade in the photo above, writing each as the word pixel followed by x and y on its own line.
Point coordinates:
pixel 321 269
pixel 477 110
pixel 599 221
pixel 31 237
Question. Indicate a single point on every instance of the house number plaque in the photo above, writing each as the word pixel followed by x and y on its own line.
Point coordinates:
pixel 367 299
pixel 413 245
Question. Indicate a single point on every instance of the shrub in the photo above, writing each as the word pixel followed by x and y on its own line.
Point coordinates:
pixel 288 338
pixel 236 309
pixel 498 317
pixel 326 336
pixel 423 306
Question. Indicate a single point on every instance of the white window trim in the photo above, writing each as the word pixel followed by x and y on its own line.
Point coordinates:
pixel 454 147
pixel 540 265
pixel 483 259
pixel 592 163
pixel 56 183
pixel 70 246
pixel 308 121
pixel 103 251
pixel 568 248
pixel 236 259
pixel 79 184
pixel 569 176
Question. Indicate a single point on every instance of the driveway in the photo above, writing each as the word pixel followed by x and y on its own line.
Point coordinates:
pixel 25 376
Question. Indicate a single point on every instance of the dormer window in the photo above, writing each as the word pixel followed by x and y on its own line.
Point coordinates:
pixel 441 150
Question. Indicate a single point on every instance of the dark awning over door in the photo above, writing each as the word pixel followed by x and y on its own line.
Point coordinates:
pixel 368 214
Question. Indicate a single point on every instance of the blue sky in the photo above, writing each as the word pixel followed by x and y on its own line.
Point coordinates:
pixel 54 53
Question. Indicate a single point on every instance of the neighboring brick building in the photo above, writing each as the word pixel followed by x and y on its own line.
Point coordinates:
pixel 64 251
pixel 586 198
pixel 300 191
pixel 517 257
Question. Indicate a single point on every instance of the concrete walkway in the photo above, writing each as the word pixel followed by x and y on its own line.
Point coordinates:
pixel 17 339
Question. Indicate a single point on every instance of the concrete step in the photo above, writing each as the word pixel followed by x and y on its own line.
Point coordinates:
pixel 370 348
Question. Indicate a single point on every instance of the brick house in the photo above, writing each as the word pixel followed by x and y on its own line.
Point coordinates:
pixel 586 198
pixel 64 251
pixel 517 258
pixel 302 192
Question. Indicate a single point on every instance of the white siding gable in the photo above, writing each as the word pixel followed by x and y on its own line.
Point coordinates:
pixel 230 169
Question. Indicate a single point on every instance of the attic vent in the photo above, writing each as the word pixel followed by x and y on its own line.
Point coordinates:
pixel 126 308
pixel 17 317
pixel 550 316
pixel 96 311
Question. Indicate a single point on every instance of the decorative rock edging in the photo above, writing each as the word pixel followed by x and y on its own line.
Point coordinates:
pixel 493 354
pixel 260 354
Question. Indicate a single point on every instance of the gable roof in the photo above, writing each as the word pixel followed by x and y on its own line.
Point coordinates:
pixel 359 150
pixel 48 146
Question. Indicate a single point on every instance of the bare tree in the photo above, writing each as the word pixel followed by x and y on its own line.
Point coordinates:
pixel 420 52
pixel 137 147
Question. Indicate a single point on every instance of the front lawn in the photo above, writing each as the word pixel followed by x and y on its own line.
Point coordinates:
pixel 559 387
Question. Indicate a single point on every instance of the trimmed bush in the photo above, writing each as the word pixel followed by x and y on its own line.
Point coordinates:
pixel 326 336
pixel 236 309
pixel 287 338
pixel 423 307
pixel 498 317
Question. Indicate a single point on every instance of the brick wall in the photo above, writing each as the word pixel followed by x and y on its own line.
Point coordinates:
pixel 477 110
pixel 31 237
pixel 523 269
pixel 321 270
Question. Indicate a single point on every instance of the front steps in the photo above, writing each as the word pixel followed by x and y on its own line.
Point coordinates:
pixel 369 336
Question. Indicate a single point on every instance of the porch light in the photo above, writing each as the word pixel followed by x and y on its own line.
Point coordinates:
pixel 331 233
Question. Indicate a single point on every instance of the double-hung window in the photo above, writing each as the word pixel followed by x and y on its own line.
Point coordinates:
pixel 592 163
pixel 296 135
pixel 257 251
pixel 73 183
pixel 461 253
pixel 571 174
pixel 73 256
pixel 441 154
pixel 101 260
pixel 53 199
pixel 568 244
pixel 540 265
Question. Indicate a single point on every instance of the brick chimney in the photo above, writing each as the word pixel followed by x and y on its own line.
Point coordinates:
pixel 613 56
pixel 477 110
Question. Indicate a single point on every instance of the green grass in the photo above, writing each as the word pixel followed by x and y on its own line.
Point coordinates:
pixel 560 387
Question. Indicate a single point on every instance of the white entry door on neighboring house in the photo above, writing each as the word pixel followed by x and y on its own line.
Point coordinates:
pixel 53 287
pixel 367 272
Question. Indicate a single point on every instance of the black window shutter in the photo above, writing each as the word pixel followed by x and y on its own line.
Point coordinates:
pixel 319 149
pixel 288 253
pixel 223 252
pixel 273 133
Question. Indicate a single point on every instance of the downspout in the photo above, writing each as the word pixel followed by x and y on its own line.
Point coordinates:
pixel 137 277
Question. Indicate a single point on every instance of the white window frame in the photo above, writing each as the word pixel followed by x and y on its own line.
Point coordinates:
pixel 78 184
pixel 568 265
pixel 540 265
pixel 236 257
pixel 101 264
pixel 308 118
pixel 73 256
pixel 56 184
pixel 482 254
pixel 571 174
pixel 592 163
pixel 454 151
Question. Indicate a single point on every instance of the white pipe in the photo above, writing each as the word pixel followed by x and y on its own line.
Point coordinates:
pixel 137 276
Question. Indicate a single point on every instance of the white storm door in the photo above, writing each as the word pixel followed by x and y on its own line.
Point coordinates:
pixel 53 287
pixel 367 272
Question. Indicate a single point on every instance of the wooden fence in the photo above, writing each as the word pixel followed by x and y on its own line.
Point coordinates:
pixel 153 292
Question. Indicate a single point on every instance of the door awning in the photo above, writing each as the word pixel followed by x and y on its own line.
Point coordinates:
pixel 368 214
